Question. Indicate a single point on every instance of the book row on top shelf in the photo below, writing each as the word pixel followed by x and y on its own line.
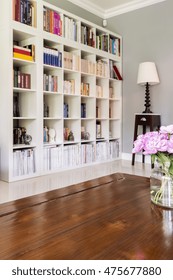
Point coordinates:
pixel 70 28
pixel 63 24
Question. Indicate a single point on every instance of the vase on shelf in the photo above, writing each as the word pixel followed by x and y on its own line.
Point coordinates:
pixel 161 187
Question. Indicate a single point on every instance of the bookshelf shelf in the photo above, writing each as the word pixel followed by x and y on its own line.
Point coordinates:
pixel 62 94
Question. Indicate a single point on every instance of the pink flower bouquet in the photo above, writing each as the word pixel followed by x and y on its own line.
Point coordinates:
pixel 158 144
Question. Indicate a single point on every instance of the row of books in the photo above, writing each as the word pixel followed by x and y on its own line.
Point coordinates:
pixel 66 115
pixel 114 46
pixel 71 61
pixel 71 29
pixel 52 157
pixel 20 79
pixel 85 89
pixel 24 162
pixel 51 56
pixel 52 21
pixel 102 68
pixel 24 52
pixel 106 43
pixel 87 66
pixel 69 86
pixel 102 42
pixel 55 157
pixel 107 150
pixel 99 91
pixel 88 36
pixel 50 82
pixel 24 11
pixel 83 110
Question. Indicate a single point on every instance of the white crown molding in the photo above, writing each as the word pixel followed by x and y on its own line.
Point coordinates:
pixel 89 6
pixel 117 10
pixel 131 6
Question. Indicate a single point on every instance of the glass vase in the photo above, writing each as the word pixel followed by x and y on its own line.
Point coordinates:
pixel 161 188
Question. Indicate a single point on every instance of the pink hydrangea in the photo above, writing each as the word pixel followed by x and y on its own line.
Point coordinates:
pixel 167 129
pixel 155 141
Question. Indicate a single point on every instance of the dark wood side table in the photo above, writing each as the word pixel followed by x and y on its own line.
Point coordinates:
pixel 145 120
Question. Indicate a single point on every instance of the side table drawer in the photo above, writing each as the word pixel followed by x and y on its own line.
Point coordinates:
pixel 148 120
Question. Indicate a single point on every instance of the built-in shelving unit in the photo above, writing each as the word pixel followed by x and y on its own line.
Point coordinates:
pixel 60 97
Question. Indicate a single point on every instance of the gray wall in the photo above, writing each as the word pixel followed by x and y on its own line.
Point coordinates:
pixel 147 36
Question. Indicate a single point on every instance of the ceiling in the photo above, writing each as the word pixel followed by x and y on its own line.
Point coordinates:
pixel 109 8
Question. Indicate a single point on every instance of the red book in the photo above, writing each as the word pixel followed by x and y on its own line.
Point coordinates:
pixel 117 73
pixel 22 51
pixel 27 80
pixel 17 10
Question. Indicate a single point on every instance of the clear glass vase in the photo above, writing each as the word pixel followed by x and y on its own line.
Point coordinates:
pixel 161 188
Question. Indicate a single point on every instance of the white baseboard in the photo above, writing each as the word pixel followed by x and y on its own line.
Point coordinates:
pixel 138 157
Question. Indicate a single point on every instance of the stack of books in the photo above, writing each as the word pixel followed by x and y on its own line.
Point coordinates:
pixel 24 11
pixel 24 53
pixel 52 21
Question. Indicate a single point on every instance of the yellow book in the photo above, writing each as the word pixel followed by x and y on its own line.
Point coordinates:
pixel 22 56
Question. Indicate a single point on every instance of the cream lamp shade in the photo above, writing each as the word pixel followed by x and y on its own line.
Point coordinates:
pixel 147 73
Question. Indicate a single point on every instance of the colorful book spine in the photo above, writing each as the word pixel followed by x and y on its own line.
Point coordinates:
pixel 117 73
pixel 21 51
pixel 52 57
pixel 52 21
pixel 23 11
pixel 22 56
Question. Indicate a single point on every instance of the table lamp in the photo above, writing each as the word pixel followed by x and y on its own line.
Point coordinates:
pixel 147 75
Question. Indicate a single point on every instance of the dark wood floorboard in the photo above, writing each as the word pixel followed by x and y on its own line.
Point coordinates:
pixel 105 218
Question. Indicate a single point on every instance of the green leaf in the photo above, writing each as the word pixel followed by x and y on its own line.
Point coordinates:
pixel 171 169
pixel 163 158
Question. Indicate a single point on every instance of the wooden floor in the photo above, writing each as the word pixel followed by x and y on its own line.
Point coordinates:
pixel 106 218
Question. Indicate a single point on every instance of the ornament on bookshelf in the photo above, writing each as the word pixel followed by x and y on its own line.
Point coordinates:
pixel 86 136
pixel 46 111
pixel 71 136
pixel 51 134
pixel 27 139
pixel 45 134
pixel 23 134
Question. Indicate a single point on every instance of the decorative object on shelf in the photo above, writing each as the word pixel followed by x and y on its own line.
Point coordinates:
pixel 51 134
pixel 159 144
pixel 46 111
pixel 45 134
pixel 86 136
pixel 27 139
pixel 70 136
pixel 19 135
pixel 147 75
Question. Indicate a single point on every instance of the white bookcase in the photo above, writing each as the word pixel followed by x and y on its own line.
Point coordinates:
pixel 71 88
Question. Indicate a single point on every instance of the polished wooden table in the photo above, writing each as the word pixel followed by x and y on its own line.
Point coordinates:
pixel 106 218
